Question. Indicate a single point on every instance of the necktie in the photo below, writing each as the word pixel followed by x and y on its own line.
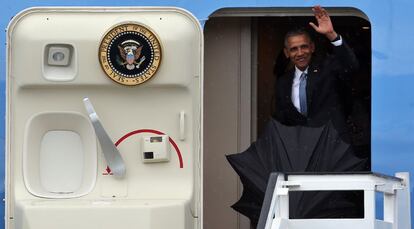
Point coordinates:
pixel 302 94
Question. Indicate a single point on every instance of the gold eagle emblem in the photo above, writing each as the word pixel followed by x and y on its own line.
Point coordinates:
pixel 130 52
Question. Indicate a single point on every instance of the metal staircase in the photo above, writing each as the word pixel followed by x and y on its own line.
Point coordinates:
pixel 396 192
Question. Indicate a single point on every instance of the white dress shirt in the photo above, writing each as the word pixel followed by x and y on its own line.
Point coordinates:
pixel 295 87
pixel 296 79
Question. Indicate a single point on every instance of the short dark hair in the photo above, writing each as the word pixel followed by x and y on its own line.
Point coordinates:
pixel 296 32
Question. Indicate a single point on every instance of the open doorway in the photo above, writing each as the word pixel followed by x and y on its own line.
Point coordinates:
pixel 243 59
pixel 272 64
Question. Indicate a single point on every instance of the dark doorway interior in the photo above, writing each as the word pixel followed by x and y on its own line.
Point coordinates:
pixel 271 64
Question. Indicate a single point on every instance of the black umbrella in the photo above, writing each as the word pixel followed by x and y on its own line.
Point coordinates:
pixel 295 149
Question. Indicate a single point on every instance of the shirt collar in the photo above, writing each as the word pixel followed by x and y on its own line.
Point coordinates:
pixel 298 72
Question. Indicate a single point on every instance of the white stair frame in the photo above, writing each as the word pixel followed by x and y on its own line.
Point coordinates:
pixel 396 192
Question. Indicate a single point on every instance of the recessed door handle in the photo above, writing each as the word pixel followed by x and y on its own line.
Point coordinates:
pixel 111 153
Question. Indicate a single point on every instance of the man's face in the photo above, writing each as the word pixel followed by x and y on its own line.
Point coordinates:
pixel 299 50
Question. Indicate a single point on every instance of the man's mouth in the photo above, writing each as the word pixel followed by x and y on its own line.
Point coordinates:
pixel 302 59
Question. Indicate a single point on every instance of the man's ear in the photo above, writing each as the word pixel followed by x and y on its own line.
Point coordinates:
pixel 312 47
pixel 286 52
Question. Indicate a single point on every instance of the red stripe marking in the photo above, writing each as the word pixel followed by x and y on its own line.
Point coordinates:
pixel 180 158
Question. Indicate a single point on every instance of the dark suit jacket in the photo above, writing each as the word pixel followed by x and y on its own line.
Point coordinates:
pixel 324 91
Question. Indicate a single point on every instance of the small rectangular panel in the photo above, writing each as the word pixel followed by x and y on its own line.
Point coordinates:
pixel 59 63
pixel 155 149
pixel 112 187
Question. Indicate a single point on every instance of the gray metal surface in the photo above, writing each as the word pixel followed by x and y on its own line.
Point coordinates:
pixel 111 153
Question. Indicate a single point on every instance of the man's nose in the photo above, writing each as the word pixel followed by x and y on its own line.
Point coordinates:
pixel 300 51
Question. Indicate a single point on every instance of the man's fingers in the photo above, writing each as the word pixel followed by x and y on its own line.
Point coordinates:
pixel 324 12
pixel 313 26
pixel 317 8
pixel 319 12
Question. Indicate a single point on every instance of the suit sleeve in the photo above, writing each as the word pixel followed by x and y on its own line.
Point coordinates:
pixel 345 60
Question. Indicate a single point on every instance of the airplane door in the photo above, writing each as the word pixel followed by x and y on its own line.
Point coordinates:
pixel 104 119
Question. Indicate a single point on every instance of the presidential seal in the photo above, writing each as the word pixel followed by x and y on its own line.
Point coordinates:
pixel 130 54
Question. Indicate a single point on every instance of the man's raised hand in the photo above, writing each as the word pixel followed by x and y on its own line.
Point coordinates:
pixel 325 26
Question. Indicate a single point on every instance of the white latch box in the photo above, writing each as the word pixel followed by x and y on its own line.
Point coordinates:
pixel 155 149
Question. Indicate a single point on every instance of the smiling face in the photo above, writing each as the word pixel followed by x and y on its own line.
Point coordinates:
pixel 299 49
